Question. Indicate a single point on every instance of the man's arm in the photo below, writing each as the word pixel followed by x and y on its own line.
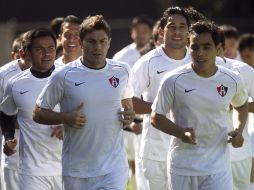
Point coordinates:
pixel 160 122
pixel 236 135
pixel 75 118
pixel 251 107
pixel 127 114
pixel 140 106
pixel 7 125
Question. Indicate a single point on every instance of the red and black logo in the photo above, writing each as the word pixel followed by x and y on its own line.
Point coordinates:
pixel 222 90
pixel 114 81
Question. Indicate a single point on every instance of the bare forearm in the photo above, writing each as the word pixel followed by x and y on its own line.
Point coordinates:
pixel 242 114
pixel 141 106
pixel 165 125
pixel 48 117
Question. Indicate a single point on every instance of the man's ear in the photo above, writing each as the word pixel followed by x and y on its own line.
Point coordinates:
pixel 220 50
pixel 161 32
pixel 109 42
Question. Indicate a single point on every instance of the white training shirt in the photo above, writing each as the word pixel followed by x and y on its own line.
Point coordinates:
pixel 97 148
pixel 146 78
pixel 6 72
pixel 202 104
pixel 40 154
pixel 129 54
pixel 59 62
pixel 247 74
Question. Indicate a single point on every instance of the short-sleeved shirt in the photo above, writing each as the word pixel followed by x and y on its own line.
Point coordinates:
pixel 97 148
pixel 146 78
pixel 204 105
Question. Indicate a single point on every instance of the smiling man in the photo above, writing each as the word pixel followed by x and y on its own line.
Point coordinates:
pixel 199 96
pixel 147 75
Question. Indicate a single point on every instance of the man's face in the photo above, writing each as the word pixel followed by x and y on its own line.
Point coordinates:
pixel 95 48
pixel 175 32
pixel 247 56
pixel 230 48
pixel 70 39
pixel 43 53
pixel 203 51
pixel 141 34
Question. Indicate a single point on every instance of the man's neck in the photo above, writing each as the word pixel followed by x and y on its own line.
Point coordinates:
pixel 176 54
pixel 23 64
pixel 69 57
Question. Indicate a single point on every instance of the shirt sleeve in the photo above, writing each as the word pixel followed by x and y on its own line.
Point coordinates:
pixel 247 73
pixel 165 97
pixel 241 94
pixel 128 92
pixel 52 92
pixel 140 77
pixel 8 105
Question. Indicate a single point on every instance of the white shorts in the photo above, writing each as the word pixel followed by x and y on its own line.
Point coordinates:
pixel 11 179
pixel 219 181
pixel 155 173
pixel 141 181
pixel 116 180
pixel 241 174
pixel 28 182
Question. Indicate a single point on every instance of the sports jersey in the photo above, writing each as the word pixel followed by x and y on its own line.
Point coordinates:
pixel 202 104
pixel 247 74
pixel 40 154
pixel 97 148
pixel 59 62
pixel 129 54
pixel 146 77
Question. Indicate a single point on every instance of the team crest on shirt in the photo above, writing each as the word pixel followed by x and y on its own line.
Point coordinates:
pixel 222 90
pixel 114 81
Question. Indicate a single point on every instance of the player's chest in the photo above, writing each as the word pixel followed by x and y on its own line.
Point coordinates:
pixel 95 86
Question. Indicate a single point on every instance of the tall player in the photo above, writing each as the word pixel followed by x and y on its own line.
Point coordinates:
pixel 91 92
pixel 199 95
pixel 147 75
pixel 40 149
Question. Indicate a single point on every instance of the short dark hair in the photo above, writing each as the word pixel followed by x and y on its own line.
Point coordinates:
pixel 229 31
pixel 206 27
pixel 55 25
pixel 246 41
pixel 173 11
pixel 194 14
pixel 70 19
pixel 36 33
pixel 92 23
pixel 143 19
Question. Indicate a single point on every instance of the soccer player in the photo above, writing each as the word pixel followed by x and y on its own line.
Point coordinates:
pixel 147 75
pixel 231 41
pixel 40 149
pixel 141 33
pixel 10 163
pixel 69 38
pixel 91 91
pixel 199 96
